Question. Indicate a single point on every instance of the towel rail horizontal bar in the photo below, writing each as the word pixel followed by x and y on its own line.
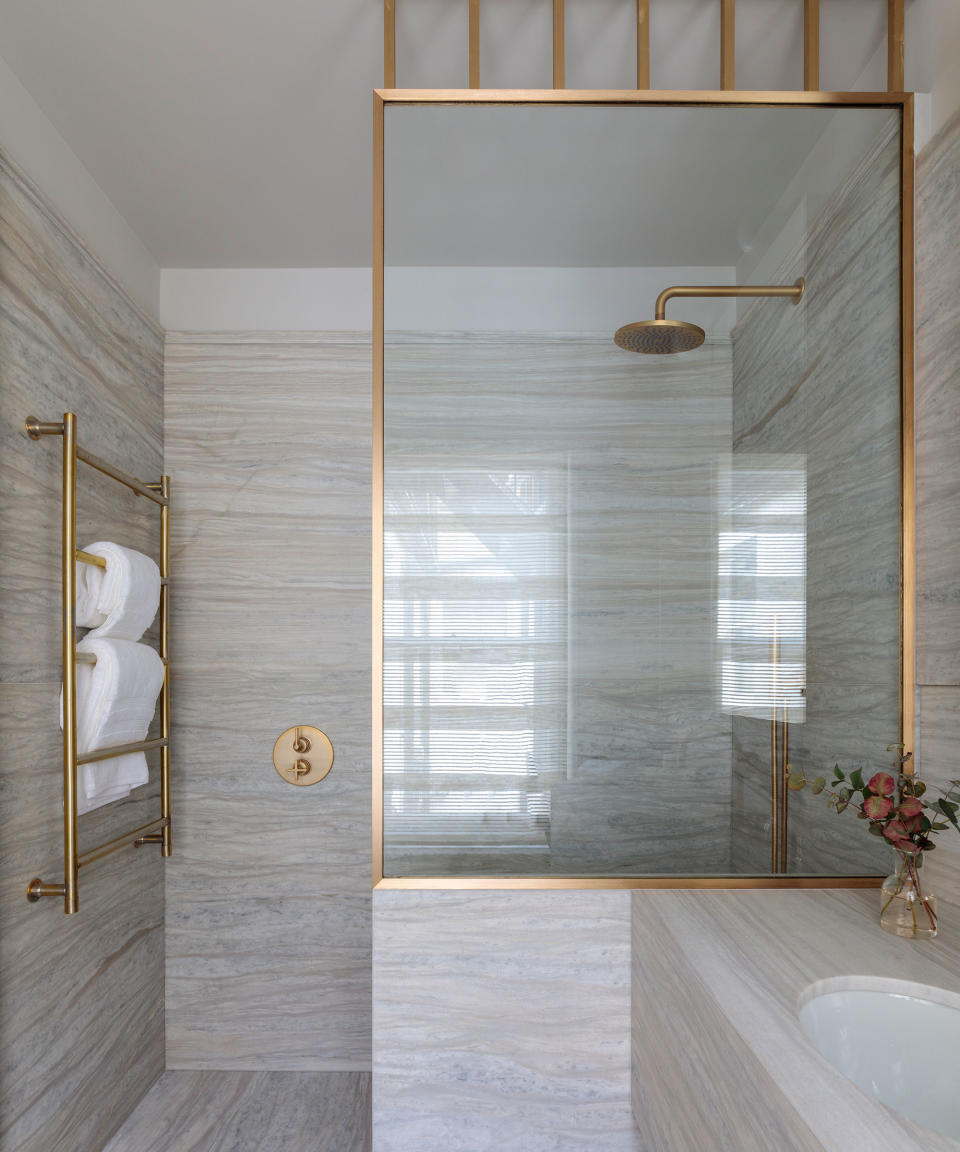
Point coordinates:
pixel 121 750
pixel 114 845
pixel 89 558
pixel 153 491
pixel 115 474
pixel 91 658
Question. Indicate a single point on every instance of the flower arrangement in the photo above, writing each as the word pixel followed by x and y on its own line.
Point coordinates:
pixel 895 807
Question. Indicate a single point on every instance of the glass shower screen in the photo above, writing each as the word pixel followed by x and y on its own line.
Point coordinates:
pixel 621 591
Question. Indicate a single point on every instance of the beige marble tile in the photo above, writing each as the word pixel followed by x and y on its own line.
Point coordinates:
pixel 81 998
pixel 251 1112
pixel 268 896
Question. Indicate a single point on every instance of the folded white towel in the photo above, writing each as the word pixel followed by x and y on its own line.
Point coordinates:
pixel 116 699
pixel 120 600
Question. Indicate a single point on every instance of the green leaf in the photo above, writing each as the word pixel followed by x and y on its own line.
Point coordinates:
pixel 856 779
pixel 939 825
pixel 842 804
pixel 837 773
pixel 818 785
pixel 948 810
pixel 919 787
pixel 796 782
pixel 875 830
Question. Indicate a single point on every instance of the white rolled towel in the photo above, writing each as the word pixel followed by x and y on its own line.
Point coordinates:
pixel 116 700
pixel 122 599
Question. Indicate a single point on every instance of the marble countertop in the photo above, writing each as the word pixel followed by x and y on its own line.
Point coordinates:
pixel 719 1059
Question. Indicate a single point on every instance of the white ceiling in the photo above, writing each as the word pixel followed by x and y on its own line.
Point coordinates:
pixel 596 187
pixel 237 133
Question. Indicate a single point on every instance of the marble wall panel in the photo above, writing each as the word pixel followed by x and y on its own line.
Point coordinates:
pixel 822 380
pixel 640 441
pixel 268 896
pixel 81 998
pixel 502 1021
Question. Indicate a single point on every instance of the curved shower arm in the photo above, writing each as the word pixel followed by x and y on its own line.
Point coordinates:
pixel 793 291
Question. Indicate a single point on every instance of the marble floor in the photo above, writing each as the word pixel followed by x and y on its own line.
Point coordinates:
pixel 190 1111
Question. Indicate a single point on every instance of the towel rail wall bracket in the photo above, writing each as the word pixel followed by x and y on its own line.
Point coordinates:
pixel 160 830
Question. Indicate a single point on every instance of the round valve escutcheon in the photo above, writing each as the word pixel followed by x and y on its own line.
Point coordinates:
pixel 303 755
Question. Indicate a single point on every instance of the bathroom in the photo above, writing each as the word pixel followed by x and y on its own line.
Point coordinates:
pixel 501 655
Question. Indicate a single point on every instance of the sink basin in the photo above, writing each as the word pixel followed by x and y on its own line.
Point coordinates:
pixel 896 1040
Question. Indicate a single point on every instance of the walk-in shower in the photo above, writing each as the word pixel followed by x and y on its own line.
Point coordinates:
pixel 616 594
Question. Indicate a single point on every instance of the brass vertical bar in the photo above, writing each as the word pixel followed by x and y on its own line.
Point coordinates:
pixel 389 44
pixel 907 479
pixel 643 43
pixel 474 43
pixel 784 790
pixel 811 45
pixel 165 805
pixel 774 760
pixel 68 557
pixel 558 45
pixel 377 526
pixel 728 42
pixel 895 45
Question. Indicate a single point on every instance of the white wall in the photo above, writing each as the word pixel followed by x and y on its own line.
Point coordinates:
pixel 449 299
pixel 34 145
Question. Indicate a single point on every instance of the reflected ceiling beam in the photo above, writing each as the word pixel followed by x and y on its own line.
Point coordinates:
pixel 728 45
pixel 558 45
pixel 811 45
pixel 389 44
pixel 643 44
pixel 474 43
pixel 894 45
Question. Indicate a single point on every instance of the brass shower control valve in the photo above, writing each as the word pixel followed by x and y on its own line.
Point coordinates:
pixel 289 755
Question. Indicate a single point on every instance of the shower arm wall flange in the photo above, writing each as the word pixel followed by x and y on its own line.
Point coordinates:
pixel 794 292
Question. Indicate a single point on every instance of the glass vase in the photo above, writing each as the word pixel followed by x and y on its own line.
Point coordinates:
pixel 907 906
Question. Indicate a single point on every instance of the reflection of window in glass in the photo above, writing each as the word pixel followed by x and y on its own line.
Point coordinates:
pixel 475 637
pixel 762 565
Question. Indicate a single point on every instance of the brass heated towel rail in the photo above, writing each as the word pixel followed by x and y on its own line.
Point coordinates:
pixel 156 831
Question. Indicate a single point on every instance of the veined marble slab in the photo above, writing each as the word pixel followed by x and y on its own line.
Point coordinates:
pixel 822 380
pixel 501 1022
pixel 268 894
pixel 251 1112
pixel 81 997
pixel 938 409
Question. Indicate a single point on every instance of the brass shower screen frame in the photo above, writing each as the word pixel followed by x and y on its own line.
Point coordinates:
pixel 901 101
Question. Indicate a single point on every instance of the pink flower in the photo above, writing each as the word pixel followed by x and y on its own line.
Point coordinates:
pixel 909 806
pixel 878 807
pixel 882 784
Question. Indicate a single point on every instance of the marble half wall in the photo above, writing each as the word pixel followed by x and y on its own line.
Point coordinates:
pixel 81 997
pixel 502 1022
pixel 268 894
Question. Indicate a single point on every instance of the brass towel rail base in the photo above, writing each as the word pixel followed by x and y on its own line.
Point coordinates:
pixel 159 830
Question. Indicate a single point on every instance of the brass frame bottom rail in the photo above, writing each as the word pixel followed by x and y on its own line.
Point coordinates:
pixel 149 833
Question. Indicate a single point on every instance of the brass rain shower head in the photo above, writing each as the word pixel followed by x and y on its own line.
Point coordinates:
pixel 659 336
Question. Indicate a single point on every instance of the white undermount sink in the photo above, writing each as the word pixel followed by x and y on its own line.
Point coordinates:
pixel 896 1040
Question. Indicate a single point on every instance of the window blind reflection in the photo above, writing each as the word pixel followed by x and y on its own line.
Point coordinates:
pixel 475 654
pixel 761 604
